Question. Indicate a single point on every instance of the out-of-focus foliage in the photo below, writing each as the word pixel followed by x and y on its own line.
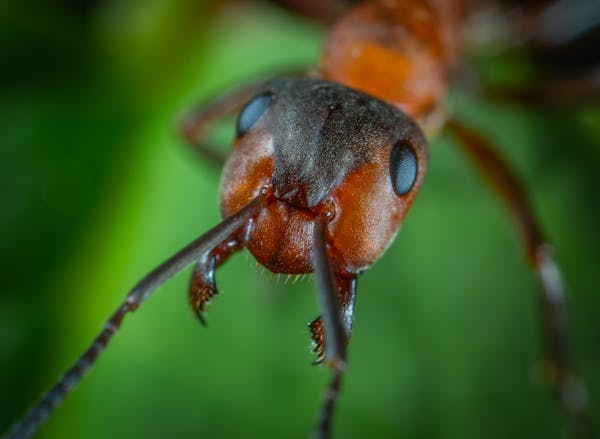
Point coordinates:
pixel 96 188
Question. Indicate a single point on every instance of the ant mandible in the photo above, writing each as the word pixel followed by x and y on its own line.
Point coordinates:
pixel 321 175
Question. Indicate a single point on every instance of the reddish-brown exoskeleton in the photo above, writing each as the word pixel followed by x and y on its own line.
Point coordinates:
pixel 322 173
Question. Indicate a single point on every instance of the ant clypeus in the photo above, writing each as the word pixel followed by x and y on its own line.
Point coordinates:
pixel 328 210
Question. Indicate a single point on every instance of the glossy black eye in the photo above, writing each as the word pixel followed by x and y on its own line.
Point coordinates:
pixel 252 112
pixel 403 167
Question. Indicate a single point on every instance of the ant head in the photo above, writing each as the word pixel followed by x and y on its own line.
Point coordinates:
pixel 322 146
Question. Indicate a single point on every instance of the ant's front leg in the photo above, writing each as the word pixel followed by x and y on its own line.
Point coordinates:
pixel 569 390
pixel 202 283
pixel 194 125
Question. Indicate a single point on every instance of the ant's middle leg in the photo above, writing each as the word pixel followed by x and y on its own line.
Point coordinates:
pixel 321 11
pixel 566 385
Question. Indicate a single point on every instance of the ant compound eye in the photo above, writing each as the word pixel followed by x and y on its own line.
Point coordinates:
pixel 252 112
pixel 403 167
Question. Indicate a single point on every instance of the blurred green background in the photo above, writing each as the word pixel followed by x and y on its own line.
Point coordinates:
pixel 96 188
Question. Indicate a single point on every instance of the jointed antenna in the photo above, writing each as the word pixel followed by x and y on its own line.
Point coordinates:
pixel 30 423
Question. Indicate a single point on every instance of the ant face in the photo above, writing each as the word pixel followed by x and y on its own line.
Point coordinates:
pixel 319 145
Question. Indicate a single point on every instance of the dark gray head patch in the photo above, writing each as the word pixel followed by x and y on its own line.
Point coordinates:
pixel 322 131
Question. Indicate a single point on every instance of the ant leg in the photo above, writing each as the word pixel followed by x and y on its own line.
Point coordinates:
pixel 202 283
pixel 569 390
pixel 193 125
pixel 30 423
pixel 346 296
pixel 335 334
pixel 324 12
pixel 552 89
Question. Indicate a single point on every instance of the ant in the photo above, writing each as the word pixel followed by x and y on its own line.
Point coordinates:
pixel 299 206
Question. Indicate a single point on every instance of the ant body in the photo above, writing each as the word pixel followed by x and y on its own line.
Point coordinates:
pixel 289 189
